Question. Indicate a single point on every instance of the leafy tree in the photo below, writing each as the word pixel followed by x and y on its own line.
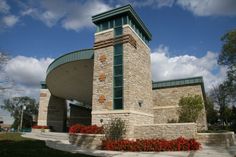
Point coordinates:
pixel 220 97
pixel 233 125
pixel 5 82
pixel 15 105
pixel 211 112
pixel 227 58
pixel 190 108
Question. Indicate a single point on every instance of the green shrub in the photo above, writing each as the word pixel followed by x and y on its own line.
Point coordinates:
pixel 115 129
pixel 190 108
pixel 172 121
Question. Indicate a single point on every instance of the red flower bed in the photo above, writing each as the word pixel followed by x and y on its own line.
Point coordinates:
pixel 179 144
pixel 40 127
pixel 92 129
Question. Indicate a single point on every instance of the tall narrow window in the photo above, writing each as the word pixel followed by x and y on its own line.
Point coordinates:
pixel 118 77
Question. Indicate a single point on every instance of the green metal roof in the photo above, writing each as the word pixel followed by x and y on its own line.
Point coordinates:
pixel 69 57
pixel 178 82
pixel 127 9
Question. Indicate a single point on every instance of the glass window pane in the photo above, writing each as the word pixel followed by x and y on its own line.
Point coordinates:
pixel 111 24
pixel 118 70
pixel 118 60
pixel 118 103
pixel 118 22
pixel 125 20
pixel 104 25
pixel 118 49
pixel 118 92
pixel 118 81
pixel 118 31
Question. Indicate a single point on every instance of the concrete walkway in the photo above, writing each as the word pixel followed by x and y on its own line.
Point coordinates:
pixel 62 143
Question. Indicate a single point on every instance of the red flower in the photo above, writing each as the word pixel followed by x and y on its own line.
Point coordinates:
pixel 40 127
pixel 92 129
pixel 179 144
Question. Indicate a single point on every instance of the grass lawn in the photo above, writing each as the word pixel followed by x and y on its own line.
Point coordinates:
pixel 13 145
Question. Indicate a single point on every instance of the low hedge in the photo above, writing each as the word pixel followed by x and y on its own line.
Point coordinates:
pixel 179 144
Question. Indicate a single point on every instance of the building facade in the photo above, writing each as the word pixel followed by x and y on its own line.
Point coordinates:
pixel 113 79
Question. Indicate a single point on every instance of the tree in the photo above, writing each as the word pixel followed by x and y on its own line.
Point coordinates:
pixel 220 97
pixel 211 112
pixel 15 105
pixel 227 58
pixel 190 108
pixel 5 82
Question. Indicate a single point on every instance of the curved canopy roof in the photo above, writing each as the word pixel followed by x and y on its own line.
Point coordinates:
pixel 71 76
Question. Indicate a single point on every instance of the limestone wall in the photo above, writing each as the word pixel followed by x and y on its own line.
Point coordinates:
pixel 165 131
pixel 105 87
pixel 43 106
pixel 131 118
pixel 137 85
pixel 87 141
pixel 137 75
pixel 225 139
pixel 165 101
pixel 52 111
pixel 56 116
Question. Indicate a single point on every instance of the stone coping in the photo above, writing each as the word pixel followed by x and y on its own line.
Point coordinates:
pixel 83 134
pixel 167 124
pixel 121 112
pixel 165 107
pixel 216 133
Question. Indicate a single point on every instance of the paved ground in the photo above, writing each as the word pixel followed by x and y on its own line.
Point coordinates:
pixel 62 144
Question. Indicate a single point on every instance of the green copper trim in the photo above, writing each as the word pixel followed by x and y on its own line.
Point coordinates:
pixel 70 57
pixel 177 82
pixel 127 9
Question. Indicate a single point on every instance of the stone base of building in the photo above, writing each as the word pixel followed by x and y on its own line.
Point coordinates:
pixel 224 139
pixel 131 118
pixel 165 131
pixel 87 141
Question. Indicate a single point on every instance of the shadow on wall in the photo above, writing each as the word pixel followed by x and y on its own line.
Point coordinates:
pixel 56 115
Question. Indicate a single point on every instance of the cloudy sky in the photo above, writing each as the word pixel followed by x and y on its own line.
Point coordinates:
pixel 186 37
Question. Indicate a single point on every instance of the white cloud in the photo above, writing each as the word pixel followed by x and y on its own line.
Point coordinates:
pixel 4 7
pixel 149 3
pixel 27 71
pixel 197 7
pixel 10 20
pixel 72 15
pixel 165 67
pixel 209 7
pixel 80 15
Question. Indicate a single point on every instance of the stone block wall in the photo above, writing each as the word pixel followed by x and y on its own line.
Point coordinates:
pixel 165 101
pixel 165 131
pixel 56 116
pixel 87 141
pixel 225 139
pixel 137 88
pixel 131 118
pixel 103 87
pixel 52 111
pixel 137 75
pixel 43 106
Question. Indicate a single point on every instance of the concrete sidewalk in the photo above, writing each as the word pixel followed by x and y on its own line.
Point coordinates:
pixel 63 144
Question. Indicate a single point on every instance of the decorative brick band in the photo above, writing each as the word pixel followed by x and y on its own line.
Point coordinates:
pixel 127 38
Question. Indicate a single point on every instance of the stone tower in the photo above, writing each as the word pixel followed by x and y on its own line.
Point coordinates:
pixel 122 85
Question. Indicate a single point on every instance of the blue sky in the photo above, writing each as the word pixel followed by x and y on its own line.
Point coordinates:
pixel 186 36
